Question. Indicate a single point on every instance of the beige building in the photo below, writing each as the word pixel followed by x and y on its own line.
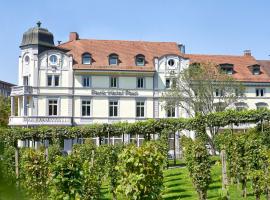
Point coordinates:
pixel 85 81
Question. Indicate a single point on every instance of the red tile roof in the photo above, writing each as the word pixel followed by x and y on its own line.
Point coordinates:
pixel 126 50
pixel 241 66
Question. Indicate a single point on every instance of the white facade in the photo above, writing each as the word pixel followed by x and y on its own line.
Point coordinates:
pixel 35 91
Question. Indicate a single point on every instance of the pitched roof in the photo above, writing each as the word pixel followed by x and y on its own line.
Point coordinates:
pixel 241 66
pixel 126 50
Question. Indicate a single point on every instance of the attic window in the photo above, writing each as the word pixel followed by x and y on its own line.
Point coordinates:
pixel 86 59
pixel 140 60
pixel 113 59
pixel 256 70
pixel 227 68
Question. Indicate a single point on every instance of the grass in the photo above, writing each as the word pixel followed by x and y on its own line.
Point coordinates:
pixel 178 185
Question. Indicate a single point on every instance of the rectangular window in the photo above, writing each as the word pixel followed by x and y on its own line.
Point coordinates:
pixel 86 108
pixel 219 93
pixel 173 82
pixel 140 82
pixel 53 104
pixel 49 80
pixel 56 80
pixel 53 80
pixel 113 108
pixel 256 71
pixel 168 83
pixel 25 80
pixel 140 109
pixel 260 92
pixel 113 82
pixel 86 81
pixel 171 112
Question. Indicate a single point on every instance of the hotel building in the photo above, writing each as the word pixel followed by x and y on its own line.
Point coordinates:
pixel 85 81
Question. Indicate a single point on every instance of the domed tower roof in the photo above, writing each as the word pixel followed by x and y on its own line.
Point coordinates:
pixel 38 36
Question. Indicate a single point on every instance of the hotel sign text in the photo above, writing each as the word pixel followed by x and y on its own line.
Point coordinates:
pixel 115 92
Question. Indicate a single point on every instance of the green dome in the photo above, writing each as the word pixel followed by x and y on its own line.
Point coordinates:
pixel 38 36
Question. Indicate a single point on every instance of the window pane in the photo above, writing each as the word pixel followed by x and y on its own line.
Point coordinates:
pixel 50 110
pixel 49 81
pixel 168 83
pixel 55 110
pixel 86 59
pixel 56 80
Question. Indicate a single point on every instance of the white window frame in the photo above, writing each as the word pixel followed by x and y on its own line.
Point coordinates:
pixel 89 80
pixel 53 80
pixel 90 105
pixel 140 107
pixel 57 109
pixel 116 80
pixel 170 110
pixel 139 79
pixel 117 106
pixel 260 92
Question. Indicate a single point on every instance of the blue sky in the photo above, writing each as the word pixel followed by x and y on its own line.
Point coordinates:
pixel 205 27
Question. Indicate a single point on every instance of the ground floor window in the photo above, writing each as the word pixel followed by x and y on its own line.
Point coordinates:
pixel 113 108
pixel 140 108
pixel 53 107
pixel 86 108
pixel 170 112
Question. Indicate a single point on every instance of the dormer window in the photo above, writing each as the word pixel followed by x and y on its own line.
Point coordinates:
pixel 227 68
pixel 113 59
pixel 256 70
pixel 86 59
pixel 140 60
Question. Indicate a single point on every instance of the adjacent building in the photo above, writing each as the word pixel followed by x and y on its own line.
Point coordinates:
pixel 5 88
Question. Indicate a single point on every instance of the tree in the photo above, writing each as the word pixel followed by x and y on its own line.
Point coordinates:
pixel 203 89
pixel 4 110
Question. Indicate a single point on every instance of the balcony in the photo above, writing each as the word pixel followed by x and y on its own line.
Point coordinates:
pixel 21 90
pixel 36 121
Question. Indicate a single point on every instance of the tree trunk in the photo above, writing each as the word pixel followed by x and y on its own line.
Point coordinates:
pixel 257 197
pixel 17 161
pixel 114 196
pixel 224 170
pixel 244 188
pixel 174 149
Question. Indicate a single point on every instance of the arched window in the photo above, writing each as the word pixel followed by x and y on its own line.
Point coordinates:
pixel 240 106
pixel 86 59
pixel 113 59
pixel 140 60
pixel 261 105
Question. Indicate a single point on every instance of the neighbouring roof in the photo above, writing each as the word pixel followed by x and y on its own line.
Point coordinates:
pixel 126 50
pixel 6 83
pixel 241 66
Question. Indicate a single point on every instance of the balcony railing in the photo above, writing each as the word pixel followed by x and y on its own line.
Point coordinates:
pixel 21 90
pixel 34 121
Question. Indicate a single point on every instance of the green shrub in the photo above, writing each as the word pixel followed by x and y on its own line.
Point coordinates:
pixel 140 172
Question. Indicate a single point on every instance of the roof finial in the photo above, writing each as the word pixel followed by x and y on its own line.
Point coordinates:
pixel 38 24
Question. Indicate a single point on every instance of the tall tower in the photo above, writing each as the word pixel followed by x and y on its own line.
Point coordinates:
pixel 35 41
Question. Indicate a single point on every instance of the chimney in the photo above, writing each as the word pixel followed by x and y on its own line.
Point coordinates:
pixel 181 48
pixel 247 53
pixel 73 36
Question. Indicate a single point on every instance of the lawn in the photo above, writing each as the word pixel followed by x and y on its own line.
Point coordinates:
pixel 177 185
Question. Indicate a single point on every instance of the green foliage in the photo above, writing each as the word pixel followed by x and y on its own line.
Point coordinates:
pixel 140 172
pixel 199 166
pixel 34 173
pixel 66 178
pixel 92 171
pixel 4 111
pixel 54 150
